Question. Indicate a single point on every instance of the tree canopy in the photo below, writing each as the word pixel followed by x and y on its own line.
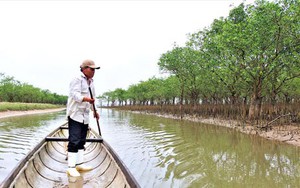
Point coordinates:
pixel 250 57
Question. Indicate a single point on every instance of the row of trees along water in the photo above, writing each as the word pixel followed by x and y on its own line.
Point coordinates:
pixel 244 66
pixel 12 90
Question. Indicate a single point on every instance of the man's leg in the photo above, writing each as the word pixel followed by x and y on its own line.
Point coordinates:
pixel 80 166
pixel 74 140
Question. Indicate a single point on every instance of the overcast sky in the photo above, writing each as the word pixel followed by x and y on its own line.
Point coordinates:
pixel 43 43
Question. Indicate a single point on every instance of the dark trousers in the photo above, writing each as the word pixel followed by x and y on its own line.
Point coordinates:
pixel 77 135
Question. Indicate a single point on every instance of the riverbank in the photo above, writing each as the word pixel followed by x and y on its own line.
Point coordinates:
pixel 289 134
pixel 6 114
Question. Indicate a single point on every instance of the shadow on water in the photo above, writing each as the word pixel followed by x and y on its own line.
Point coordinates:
pixel 18 135
pixel 172 153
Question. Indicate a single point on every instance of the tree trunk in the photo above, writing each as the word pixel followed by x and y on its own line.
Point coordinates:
pixel 181 101
pixel 255 101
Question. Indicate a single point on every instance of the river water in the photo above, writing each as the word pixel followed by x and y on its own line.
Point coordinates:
pixel 164 153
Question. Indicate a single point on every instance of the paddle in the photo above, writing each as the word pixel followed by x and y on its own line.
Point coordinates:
pixel 95 111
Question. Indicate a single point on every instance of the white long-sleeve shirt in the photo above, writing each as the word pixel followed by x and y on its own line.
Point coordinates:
pixel 76 109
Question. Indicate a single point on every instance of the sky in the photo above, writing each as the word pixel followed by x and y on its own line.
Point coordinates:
pixel 43 43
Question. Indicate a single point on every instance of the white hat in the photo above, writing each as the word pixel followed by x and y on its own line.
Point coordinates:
pixel 89 63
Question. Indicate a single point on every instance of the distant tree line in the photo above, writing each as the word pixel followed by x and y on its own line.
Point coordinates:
pixel 249 59
pixel 151 92
pixel 12 90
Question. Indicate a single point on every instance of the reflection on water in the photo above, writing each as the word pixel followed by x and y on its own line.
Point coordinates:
pixel 163 152
pixel 18 135
pixel 169 153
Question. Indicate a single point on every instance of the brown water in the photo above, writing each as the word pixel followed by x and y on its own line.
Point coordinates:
pixel 163 153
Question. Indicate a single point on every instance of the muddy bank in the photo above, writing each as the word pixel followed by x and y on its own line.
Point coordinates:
pixel 29 112
pixel 286 133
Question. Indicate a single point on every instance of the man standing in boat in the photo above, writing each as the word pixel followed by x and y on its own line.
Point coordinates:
pixel 79 105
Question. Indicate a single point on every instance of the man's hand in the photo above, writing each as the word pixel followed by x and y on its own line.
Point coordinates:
pixel 96 115
pixel 89 100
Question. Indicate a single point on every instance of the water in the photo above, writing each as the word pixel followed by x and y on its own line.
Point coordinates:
pixel 163 153
pixel 18 135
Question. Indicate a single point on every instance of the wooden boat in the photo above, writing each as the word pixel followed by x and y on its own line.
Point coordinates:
pixel 45 166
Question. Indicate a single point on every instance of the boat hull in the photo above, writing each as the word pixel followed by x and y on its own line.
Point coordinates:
pixel 46 165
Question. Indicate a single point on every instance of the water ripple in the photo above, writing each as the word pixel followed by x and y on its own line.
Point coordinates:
pixel 19 135
pixel 167 153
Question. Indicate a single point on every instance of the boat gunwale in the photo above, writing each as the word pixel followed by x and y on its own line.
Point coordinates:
pixel 127 174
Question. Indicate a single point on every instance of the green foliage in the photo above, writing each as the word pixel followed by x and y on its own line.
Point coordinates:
pixel 12 90
pixel 251 57
pixel 16 106
pixel 152 91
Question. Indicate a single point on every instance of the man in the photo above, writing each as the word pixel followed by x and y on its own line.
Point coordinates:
pixel 78 108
